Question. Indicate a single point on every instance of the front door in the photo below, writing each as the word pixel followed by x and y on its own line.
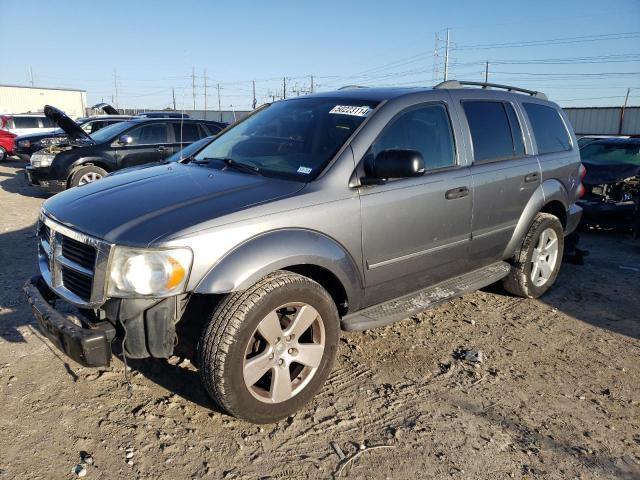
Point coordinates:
pixel 416 231
pixel 150 143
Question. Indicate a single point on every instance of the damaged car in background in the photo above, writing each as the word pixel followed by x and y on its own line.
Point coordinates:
pixel 612 184
pixel 27 145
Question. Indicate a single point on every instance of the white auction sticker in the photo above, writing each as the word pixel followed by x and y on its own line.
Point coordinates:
pixel 351 110
pixel 305 170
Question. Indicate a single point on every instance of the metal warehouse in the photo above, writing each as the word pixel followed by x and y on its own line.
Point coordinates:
pixel 605 120
pixel 20 99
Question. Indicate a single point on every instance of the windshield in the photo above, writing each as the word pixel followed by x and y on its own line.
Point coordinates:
pixel 107 133
pixel 293 139
pixel 611 153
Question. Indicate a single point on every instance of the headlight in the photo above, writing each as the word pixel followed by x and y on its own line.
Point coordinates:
pixel 48 142
pixel 148 272
pixel 39 159
pixel 24 143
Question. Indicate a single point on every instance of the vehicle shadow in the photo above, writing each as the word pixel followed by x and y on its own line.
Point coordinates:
pixel 16 181
pixel 604 292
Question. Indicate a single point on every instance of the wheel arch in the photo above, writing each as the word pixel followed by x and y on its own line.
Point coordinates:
pixel 306 252
pixel 86 161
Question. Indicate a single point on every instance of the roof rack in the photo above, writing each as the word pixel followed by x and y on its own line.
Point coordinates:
pixel 450 84
pixel 351 87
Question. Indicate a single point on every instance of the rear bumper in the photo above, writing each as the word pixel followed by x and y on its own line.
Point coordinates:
pixel 40 177
pixel 573 218
pixel 89 346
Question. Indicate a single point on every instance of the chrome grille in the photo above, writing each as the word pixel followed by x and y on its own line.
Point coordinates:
pixel 73 264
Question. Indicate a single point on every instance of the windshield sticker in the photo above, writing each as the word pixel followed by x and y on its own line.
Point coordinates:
pixel 351 110
pixel 305 170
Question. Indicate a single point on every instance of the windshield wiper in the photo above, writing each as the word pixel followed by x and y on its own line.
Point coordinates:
pixel 230 163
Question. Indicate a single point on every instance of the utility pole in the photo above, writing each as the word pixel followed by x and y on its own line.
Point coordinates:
pixel 193 86
pixel 624 107
pixel 219 103
pixel 173 94
pixel 311 83
pixel 31 75
pixel 205 93
pixel 253 84
pixel 436 59
pixel 486 72
pixel 115 87
pixel 446 57
pixel 284 87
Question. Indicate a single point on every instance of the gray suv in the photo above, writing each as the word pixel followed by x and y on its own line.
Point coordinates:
pixel 348 209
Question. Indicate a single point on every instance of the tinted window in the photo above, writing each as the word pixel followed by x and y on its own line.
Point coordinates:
pixel 25 122
pixel 491 133
pixel 149 134
pixel 611 153
pixel 426 130
pixel 548 128
pixel 48 123
pixel 112 132
pixel 186 132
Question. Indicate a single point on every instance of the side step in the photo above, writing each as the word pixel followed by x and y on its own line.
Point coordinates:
pixel 403 307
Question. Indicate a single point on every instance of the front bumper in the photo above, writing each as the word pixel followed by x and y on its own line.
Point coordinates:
pixel 40 177
pixel 89 345
pixel 610 214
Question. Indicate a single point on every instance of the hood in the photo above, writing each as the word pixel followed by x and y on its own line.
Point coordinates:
pixel 106 108
pixel 141 206
pixel 71 128
pixel 598 174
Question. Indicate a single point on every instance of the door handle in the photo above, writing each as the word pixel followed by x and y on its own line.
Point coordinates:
pixel 530 178
pixel 456 193
pixel 162 149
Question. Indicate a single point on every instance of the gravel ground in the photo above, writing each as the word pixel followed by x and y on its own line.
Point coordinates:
pixel 556 395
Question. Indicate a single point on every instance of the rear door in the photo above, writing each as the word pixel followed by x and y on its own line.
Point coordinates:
pixel 150 143
pixel 504 172
pixel 185 133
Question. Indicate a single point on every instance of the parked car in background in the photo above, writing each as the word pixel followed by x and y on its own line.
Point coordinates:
pixel 23 123
pixel 162 114
pixel 7 139
pixel 89 157
pixel 26 145
pixel 351 209
pixel 612 184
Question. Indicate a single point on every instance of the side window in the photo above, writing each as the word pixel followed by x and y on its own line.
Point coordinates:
pixel 426 130
pixel 48 123
pixel 25 122
pixel 186 132
pixel 149 134
pixel 495 130
pixel 548 128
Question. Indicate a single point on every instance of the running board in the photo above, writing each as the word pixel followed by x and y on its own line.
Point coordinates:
pixel 403 307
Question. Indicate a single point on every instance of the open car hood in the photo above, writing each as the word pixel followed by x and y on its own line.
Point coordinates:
pixel 71 128
pixel 106 108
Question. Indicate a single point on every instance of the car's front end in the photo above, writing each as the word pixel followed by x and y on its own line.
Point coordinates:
pixel 27 145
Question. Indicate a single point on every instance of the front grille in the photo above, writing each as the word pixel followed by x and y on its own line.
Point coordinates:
pixel 81 253
pixel 73 264
pixel 77 283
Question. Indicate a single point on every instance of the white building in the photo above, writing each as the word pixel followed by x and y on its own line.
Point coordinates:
pixel 17 99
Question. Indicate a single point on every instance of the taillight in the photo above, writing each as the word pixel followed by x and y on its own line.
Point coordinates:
pixel 582 171
pixel 581 191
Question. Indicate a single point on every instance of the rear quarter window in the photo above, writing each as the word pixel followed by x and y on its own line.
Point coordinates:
pixel 548 128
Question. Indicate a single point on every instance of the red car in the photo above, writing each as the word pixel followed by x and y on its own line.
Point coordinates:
pixel 6 139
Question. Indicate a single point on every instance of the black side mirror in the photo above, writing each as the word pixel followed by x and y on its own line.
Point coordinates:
pixel 395 164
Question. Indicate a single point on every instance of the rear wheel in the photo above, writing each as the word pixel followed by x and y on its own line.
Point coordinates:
pixel 267 350
pixel 537 261
pixel 87 174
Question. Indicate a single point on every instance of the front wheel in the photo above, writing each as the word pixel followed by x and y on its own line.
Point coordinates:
pixel 537 261
pixel 3 154
pixel 266 351
pixel 87 174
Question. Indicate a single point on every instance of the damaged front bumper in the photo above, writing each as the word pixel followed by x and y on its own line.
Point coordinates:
pixel 148 326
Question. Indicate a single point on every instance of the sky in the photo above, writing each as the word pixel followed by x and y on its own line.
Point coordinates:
pixel 580 53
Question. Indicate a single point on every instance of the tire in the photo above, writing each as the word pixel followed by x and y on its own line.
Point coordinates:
pixel 86 174
pixel 3 154
pixel 232 339
pixel 526 279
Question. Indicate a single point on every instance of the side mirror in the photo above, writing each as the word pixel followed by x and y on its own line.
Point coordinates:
pixel 125 140
pixel 396 164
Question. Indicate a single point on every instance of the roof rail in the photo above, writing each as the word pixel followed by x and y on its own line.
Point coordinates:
pixel 351 87
pixel 450 84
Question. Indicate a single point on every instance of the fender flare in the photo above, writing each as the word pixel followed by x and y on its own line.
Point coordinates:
pixel 550 190
pixel 279 249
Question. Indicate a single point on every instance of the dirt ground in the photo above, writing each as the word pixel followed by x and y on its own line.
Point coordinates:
pixel 557 395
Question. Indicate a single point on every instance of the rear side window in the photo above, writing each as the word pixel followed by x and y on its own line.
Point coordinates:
pixel 495 131
pixel 548 128
pixel 427 130
pixel 149 134
pixel 25 122
pixel 186 132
